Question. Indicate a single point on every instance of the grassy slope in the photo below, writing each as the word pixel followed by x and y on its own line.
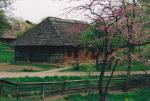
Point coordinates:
pixel 6 55
pixel 138 95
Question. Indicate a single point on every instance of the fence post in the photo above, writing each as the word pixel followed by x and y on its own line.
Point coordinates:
pixel 86 84
pixel 63 87
pixel 147 80
pixel 1 88
pixel 17 92
pixel 43 94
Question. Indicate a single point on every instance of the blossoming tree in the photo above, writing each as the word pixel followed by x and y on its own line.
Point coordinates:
pixel 117 24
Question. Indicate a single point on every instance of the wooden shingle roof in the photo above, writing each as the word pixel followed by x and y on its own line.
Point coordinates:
pixel 53 32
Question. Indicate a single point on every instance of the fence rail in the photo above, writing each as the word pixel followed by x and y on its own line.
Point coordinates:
pixel 17 91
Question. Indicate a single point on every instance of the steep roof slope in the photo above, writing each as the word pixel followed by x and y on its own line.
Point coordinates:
pixel 53 31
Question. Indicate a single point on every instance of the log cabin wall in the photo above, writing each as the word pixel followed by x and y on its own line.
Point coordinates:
pixel 52 54
pixel 48 54
pixel 71 54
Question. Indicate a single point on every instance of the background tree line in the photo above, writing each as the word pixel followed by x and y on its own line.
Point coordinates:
pixel 4 5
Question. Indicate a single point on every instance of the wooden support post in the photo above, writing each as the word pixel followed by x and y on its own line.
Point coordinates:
pixel 43 94
pixel 147 80
pixel 86 84
pixel 1 89
pixel 63 87
pixel 17 93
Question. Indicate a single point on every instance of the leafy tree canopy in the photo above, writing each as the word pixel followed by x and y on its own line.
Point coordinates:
pixel 3 22
pixel 95 38
pixel 4 3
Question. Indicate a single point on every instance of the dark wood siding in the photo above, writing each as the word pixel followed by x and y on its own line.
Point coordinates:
pixel 39 54
pixel 51 54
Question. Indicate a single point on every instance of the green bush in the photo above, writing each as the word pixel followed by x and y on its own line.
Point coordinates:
pixel 28 70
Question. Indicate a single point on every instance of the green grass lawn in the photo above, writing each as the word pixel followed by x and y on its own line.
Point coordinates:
pixel 137 95
pixel 136 66
pixel 43 66
pixel 63 78
pixel 5 46
pixel 47 79
pixel 6 56
pixel 6 53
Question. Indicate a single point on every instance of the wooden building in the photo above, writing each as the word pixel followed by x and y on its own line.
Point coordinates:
pixel 54 40
pixel 16 29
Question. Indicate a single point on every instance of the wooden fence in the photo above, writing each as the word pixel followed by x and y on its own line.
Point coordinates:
pixel 17 91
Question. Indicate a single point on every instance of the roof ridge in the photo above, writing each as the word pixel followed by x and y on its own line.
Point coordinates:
pixel 66 20
pixel 57 32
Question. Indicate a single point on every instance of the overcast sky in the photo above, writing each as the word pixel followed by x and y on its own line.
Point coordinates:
pixel 36 10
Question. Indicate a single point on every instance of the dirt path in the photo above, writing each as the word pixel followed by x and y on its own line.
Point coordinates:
pixel 5 67
pixel 57 73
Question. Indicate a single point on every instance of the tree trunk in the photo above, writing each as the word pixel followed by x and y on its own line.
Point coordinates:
pixel 97 67
pixel 129 69
pixel 101 79
pixel 110 78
